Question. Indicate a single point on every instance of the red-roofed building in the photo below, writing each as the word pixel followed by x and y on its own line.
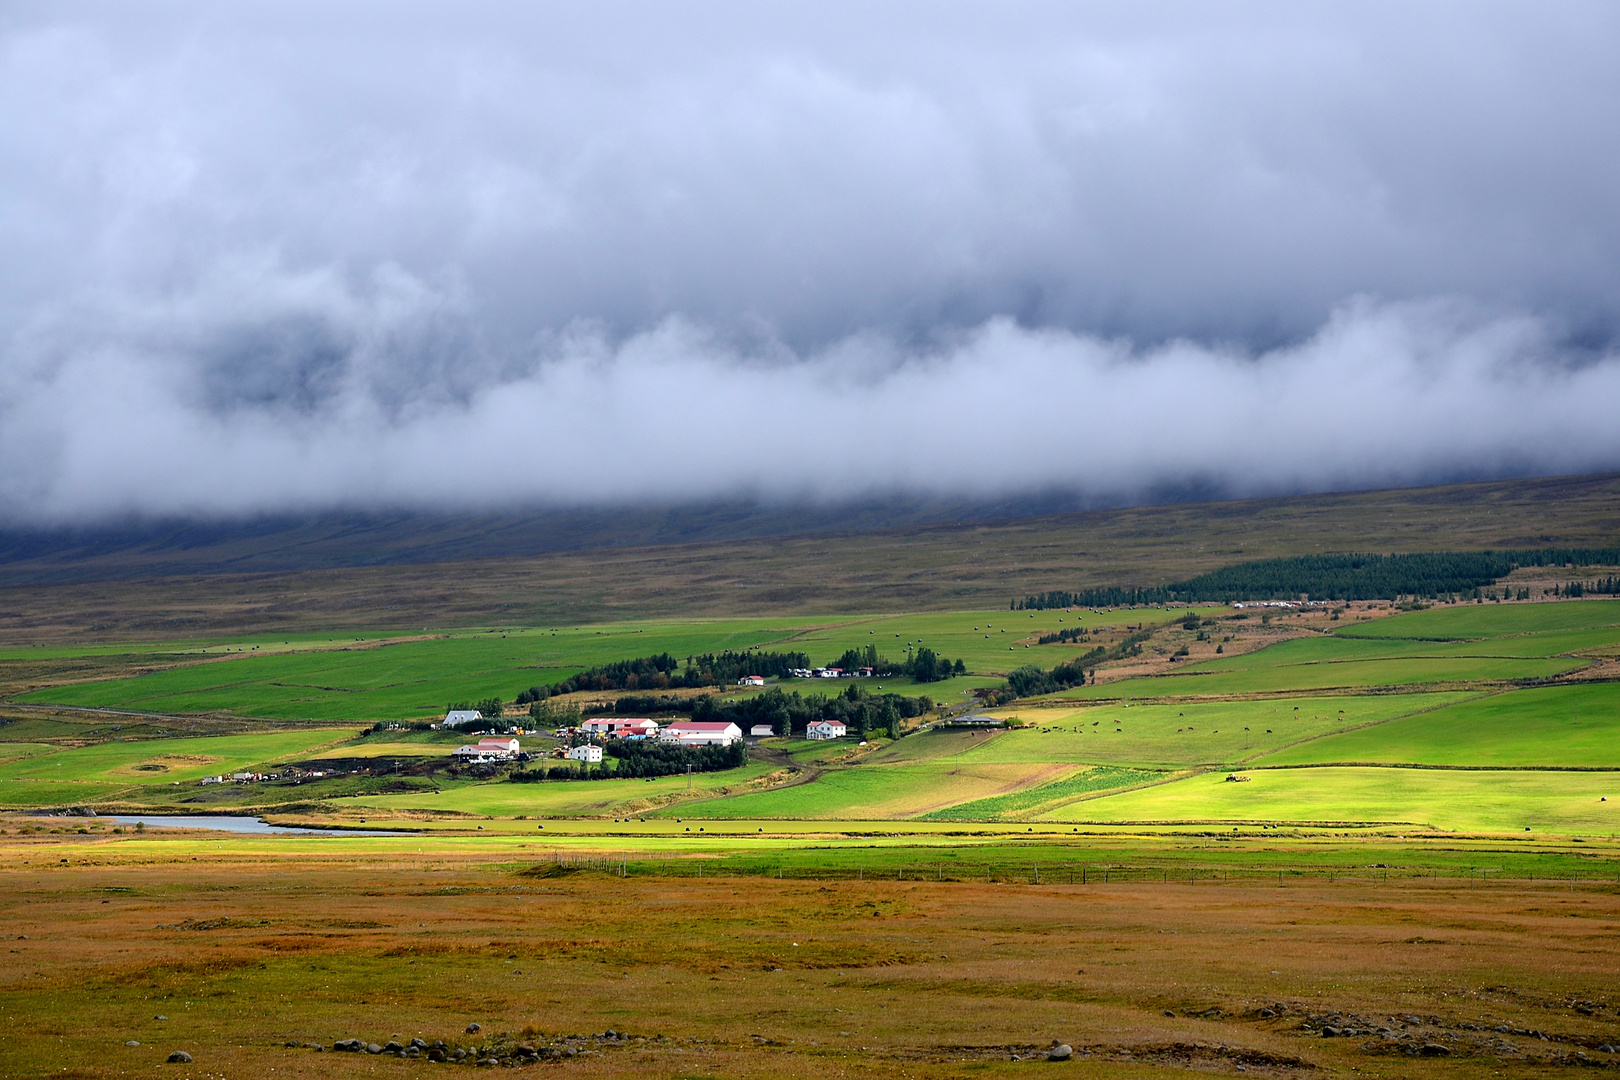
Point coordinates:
pixel 825 729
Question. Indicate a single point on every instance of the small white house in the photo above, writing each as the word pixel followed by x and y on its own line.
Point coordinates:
pixel 825 729
pixel 701 733
pixel 587 753
pixel 457 717
pixel 761 731
pixel 751 680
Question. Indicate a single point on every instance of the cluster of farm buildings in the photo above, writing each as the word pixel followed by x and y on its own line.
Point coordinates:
pixel 677 733
pixel 811 673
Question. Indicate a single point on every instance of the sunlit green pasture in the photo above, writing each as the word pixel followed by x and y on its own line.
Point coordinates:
pixel 353 679
pixel 873 790
pixel 1045 798
pixel 559 798
pixel 1566 726
pixel 1185 735
pixel 164 761
pixel 1343 675
pixel 1493 620
pixel 1338 650
pixel 1440 798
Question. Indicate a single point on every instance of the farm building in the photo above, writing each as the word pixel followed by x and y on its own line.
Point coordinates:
pixel 825 729
pixel 751 680
pixel 457 717
pixel 762 731
pixel 487 750
pixel 586 753
pixel 701 733
pixel 618 727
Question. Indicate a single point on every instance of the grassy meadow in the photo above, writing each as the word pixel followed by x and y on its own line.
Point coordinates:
pixel 1459 718
pixel 321 680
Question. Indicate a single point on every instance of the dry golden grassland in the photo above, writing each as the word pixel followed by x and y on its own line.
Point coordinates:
pixel 243 951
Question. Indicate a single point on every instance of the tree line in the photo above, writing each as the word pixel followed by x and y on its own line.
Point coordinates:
pixel 924 665
pixel 1332 577
pixel 663 672
pixel 791 713
pixel 635 759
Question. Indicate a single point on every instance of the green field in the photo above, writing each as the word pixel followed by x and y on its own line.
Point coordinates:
pixel 877 791
pixel 1046 798
pixel 1440 799
pixel 546 799
pixel 1539 727
pixel 166 761
pixel 1190 734
pixel 1495 620
pixel 349 679
pixel 1330 727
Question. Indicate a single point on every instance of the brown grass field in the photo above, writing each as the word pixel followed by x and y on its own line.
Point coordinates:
pixel 244 951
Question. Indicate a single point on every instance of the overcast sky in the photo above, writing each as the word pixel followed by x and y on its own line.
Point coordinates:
pixel 290 256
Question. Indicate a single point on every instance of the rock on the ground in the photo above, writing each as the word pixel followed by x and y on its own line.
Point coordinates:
pixel 132 1042
pixel 474 1027
pixel 179 1057
pixel 1060 1052
pixel 1434 1050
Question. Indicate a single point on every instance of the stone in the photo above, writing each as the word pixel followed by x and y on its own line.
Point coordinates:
pixel 160 1017
pixel 1266 1014
pixel 393 1046
pixel 132 1042
pixel 1167 1012
pixel 373 1048
pixel 1060 1052
pixel 1331 1032
pixel 1606 1049
pixel 1434 1050
pixel 474 1027
pixel 419 1042
pixel 436 1054
pixel 179 1057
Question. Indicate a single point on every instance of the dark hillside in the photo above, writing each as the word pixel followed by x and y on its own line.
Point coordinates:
pixel 942 566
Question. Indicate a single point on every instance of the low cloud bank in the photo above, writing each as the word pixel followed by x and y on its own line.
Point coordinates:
pixel 1380 395
pixel 286 256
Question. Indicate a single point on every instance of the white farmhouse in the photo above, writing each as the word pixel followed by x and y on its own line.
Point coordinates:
pixel 701 733
pixel 825 729
pixel 586 753
pixel 761 731
pixel 751 680
pixel 457 717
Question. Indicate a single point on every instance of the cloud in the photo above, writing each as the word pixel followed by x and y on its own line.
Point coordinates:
pixel 273 257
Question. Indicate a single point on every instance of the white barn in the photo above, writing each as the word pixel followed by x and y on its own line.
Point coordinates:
pixel 761 731
pixel 487 750
pixel 701 733
pixel 586 753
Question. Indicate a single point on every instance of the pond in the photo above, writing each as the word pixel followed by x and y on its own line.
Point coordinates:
pixel 227 823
